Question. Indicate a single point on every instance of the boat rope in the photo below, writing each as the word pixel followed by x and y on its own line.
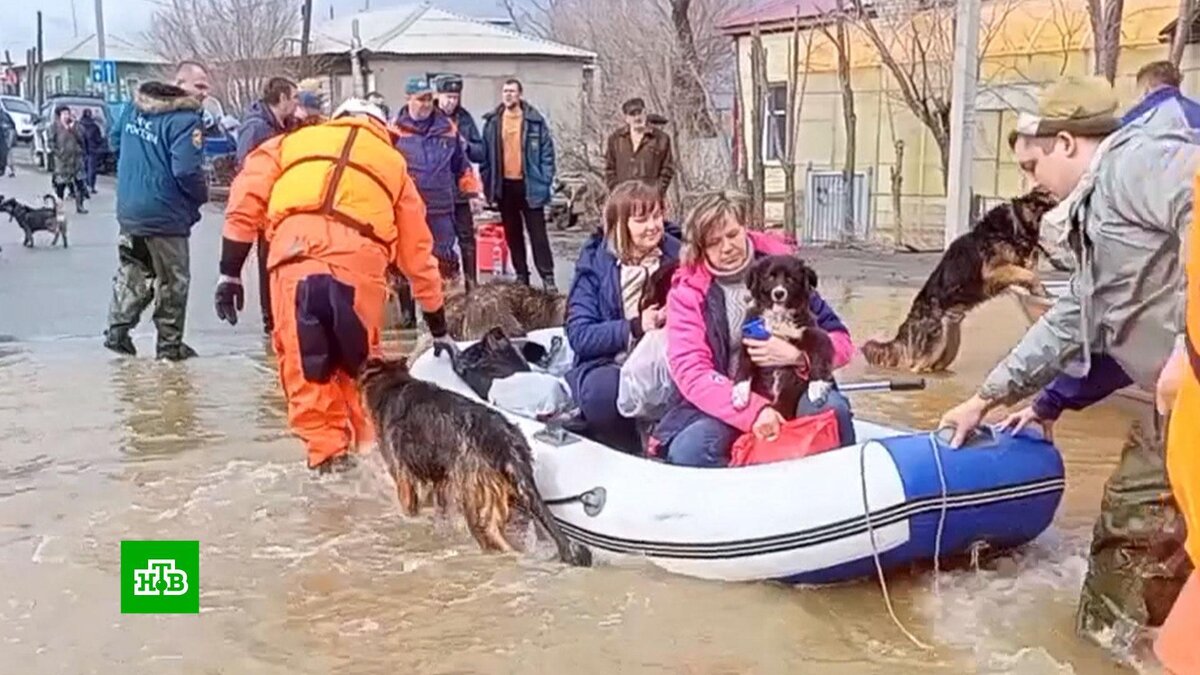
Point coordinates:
pixel 887 598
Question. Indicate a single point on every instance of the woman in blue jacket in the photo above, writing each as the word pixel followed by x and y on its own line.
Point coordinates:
pixel 603 319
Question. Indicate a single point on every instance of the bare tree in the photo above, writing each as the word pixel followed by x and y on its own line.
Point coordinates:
pixel 797 85
pixel 243 41
pixel 1105 16
pixel 1183 30
pixel 758 95
pixel 839 37
pixel 915 41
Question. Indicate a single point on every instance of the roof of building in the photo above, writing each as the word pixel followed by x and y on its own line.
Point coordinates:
pixel 420 30
pixel 116 48
pixel 772 13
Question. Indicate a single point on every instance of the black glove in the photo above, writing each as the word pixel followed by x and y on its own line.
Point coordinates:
pixel 437 325
pixel 230 298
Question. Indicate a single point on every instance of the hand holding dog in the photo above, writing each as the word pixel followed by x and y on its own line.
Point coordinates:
pixel 774 352
pixel 653 318
pixel 767 424
pixel 230 298
pixel 1024 417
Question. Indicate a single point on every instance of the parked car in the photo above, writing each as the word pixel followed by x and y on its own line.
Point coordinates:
pixel 77 104
pixel 23 115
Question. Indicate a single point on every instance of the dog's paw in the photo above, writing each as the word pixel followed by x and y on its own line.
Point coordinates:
pixel 741 395
pixel 818 390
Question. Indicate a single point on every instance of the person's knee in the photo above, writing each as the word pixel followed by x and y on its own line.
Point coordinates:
pixel 597 396
pixel 704 443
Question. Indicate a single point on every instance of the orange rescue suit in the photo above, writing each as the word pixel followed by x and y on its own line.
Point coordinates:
pixel 336 204
pixel 1177 646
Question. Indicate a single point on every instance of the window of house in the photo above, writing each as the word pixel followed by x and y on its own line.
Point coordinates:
pixel 775 123
pixel 58 84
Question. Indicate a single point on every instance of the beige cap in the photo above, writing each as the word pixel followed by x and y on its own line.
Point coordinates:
pixel 1082 106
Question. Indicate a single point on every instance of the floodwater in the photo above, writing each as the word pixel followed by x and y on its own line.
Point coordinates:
pixel 305 575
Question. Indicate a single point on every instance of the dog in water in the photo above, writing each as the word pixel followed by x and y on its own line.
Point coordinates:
pixel 1000 251
pixel 441 443
pixel 780 287
pixel 48 218
pixel 515 307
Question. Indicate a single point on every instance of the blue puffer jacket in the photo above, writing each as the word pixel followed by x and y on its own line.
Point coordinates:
pixel 258 124
pixel 597 329
pixel 160 184
pixel 436 158
pixel 537 151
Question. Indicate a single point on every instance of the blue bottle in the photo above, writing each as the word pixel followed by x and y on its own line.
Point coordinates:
pixel 755 329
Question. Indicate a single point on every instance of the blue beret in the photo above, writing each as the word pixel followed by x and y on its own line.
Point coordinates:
pixel 417 84
pixel 309 100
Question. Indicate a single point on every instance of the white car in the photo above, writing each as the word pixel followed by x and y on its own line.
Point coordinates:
pixel 22 114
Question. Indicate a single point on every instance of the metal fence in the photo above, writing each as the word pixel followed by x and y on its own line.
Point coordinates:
pixel 824 206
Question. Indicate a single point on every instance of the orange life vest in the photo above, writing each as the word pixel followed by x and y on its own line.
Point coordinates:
pixel 346 169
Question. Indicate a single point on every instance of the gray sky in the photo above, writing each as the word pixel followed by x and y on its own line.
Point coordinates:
pixel 128 18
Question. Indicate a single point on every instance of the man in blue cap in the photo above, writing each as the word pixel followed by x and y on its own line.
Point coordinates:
pixel 449 93
pixel 437 161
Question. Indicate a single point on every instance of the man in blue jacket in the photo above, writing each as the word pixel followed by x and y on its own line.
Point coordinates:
pixel 449 94
pixel 518 172
pixel 269 116
pixel 160 188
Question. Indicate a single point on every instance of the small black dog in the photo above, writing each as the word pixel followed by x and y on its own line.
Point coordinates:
pixel 780 287
pixel 49 218
pixel 654 293
pixel 436 441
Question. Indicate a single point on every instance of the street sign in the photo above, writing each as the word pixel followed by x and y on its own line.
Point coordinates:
pixel 104 72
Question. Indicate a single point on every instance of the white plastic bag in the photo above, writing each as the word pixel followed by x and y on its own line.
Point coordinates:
pixel 533 395
pixel 645 389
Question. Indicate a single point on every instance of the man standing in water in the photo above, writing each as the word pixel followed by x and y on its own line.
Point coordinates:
pixel 160 189
pixel 1128 193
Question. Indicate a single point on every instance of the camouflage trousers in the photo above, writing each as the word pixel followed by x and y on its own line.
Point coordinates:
pixel 150 267
pixel 1137 564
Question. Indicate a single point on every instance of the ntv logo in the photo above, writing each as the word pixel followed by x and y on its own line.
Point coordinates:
pixel 160 577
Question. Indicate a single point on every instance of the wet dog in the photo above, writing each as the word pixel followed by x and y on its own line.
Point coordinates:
pixel 515 307
pixel 48 218
pixel 780 287
pixel 1000 251
pixel 438 442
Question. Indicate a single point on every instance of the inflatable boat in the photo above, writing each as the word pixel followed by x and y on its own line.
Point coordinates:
pixel 896 498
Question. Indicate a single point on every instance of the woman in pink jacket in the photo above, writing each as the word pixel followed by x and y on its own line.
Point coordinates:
pixel 705 311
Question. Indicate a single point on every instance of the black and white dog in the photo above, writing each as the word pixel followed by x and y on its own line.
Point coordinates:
pixel 48 218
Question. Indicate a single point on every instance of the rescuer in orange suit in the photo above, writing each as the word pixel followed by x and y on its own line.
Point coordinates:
pixel 338 210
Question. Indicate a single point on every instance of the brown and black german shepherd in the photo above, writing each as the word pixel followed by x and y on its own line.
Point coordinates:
pixel 515 307
pixel 437 442
pixel 1000 251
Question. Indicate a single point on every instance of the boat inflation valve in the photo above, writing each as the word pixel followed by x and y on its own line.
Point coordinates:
pixel 592 500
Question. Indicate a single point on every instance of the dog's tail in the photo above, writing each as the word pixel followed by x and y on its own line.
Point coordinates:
pixel 521 474
pixel 887 354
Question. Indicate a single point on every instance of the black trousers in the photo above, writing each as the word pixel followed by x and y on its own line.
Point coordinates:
pixel 519 218
pixel 464 230
pixel 264 286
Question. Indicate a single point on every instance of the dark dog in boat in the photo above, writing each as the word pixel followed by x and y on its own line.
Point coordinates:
pixel 1000 251
pixel 654 293
pixel 780 288
pixel 48 218
pixel 515 307
pixel 440 443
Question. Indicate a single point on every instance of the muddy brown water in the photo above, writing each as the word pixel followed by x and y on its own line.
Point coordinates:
pixel 300 575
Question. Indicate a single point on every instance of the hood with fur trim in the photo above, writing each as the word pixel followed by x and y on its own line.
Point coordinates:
pixel 156 98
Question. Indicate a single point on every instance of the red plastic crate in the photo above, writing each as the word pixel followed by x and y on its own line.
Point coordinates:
pixel 491 248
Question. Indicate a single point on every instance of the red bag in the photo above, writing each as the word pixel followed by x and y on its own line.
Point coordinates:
pixel 801 437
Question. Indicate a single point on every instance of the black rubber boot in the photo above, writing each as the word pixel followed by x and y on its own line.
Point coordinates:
pixel 179 352
pixel 548 285
pixel 336 464
pixel 119 342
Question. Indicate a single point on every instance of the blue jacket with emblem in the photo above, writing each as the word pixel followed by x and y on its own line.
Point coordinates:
pixel 537 153
pixel 596 326
pixel 436 158
pixel 161 184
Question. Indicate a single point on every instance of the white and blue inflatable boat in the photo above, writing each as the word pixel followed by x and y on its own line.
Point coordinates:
pixel 801 521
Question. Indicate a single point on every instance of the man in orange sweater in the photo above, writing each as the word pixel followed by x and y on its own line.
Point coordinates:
pixel 338 210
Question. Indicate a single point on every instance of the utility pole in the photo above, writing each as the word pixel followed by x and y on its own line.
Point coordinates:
pixel 306 30
pixel 356 84
pixel 41 76
pixel 74 20
pixel 962 120
pixel 100 29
